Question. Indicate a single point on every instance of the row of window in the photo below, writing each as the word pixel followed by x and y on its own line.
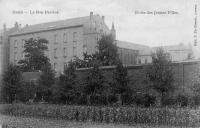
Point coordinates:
pixel 55 65
pixel 65 39
pixel 16 43
pixel 65 52
pixel 15 56
pixel 127 55
pixel 140 62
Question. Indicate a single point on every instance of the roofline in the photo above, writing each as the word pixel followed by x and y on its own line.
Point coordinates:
pixel 128 48
pixel 18 34
pixel 133 43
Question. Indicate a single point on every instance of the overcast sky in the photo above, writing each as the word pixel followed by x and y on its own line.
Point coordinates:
pixel 148 29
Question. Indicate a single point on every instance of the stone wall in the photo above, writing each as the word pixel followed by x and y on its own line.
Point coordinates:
pixel 185 74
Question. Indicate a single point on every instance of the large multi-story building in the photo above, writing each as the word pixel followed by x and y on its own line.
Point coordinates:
pixel 67 39
pixel 5 45
pixel 71 38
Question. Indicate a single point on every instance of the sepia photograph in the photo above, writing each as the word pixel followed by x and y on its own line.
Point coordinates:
pixel 100 64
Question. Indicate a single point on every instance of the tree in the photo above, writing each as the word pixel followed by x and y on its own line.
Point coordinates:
pixel 12 80
pixel 35 58
pixel 67 83
pixel 46 81
pixel 195 88
pixel 160 73
pixel 107 52
pixel 94 83
pixel 120 84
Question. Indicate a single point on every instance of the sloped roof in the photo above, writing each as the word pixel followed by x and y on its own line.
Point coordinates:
pixel 179 47
pixel 143 49
pixel 52 25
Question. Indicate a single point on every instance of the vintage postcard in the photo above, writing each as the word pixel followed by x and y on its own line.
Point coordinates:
pixel 67 63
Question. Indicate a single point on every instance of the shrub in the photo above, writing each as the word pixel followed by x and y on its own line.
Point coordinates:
pixel 182 100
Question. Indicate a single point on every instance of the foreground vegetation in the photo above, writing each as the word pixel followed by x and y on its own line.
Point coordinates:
pixel 95 89
pixel 21 122
pixel 102 114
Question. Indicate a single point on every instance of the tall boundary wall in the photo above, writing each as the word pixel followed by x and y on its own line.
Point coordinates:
pixel 186 73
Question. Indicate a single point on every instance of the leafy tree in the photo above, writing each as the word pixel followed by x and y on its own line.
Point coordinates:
pixel 46 81
pixel 120 84
pixel 35 58
pixel 68 83
pixel 12 80
pixel 195 88
pixel 160 73
pixel 107 51
pixel 94 83
pixel 106 54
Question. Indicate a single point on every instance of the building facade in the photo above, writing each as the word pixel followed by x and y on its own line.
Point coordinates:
pixel 72 37
pixel 178 53
pixel 5 45
pixel 67 39
pixel 133 54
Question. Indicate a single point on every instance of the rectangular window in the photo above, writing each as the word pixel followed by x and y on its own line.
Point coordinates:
pixel 22 54
pixel 74 52
pixel 139 61
pixel 55 39
pixel 128 58
pixel 15 43
pixel 65 65
pixel 132 59
pixel 145 61
pixel 65 37
pixel 74 36
pixel 15 56
pixel 1 39
pixel 85 48
pixel 23 43
pixel 55 53
pixel 121 52
pixel 55 66
pixel 75 44
pixel 64 52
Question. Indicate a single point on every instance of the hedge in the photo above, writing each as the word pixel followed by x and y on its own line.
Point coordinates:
pixel 124 115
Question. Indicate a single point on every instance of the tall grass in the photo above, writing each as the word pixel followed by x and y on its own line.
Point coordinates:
pixel 124 115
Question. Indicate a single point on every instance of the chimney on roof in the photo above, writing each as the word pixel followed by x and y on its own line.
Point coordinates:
pixel 91 15
pixel 103 18
pixel 4 27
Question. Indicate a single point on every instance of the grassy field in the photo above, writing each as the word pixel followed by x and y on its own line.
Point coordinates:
pixel 19 122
